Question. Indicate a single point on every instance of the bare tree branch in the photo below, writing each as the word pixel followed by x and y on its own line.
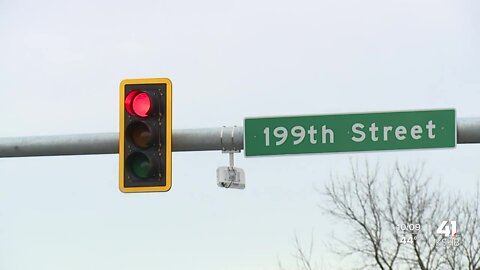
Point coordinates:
pixel 394 220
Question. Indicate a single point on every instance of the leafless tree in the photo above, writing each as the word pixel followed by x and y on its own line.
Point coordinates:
pixel 468 254
pixel 394 218
pixel 303 256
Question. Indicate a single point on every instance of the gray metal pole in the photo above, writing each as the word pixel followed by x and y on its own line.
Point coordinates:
pixel 227 138
pixel 468 130
pixel 223 138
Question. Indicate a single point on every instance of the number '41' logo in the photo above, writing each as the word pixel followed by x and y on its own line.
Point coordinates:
pixel 445 229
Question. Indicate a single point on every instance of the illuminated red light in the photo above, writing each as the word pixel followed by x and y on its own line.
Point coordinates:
pixel 141 104
pixel 138 103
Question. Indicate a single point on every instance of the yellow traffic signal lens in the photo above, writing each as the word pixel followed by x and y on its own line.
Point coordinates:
pixel 140 134
pixel 140 165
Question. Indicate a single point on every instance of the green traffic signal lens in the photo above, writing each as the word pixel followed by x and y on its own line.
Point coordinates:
pixel 140 134
pixel 140 165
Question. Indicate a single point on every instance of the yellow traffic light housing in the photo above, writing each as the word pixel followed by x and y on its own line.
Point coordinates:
pixel 145 141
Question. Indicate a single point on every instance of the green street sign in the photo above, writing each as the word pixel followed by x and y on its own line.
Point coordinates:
pixel 350 132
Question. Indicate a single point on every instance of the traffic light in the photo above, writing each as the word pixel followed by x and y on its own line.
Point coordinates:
pixel 145 142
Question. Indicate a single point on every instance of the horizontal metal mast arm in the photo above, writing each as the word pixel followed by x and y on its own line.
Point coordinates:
pixel 468 130
pixel 107 143
pixel 226 138
pixel 204 139
pixel 59 145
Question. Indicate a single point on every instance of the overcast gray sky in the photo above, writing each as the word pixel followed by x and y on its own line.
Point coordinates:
pixel 61 63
